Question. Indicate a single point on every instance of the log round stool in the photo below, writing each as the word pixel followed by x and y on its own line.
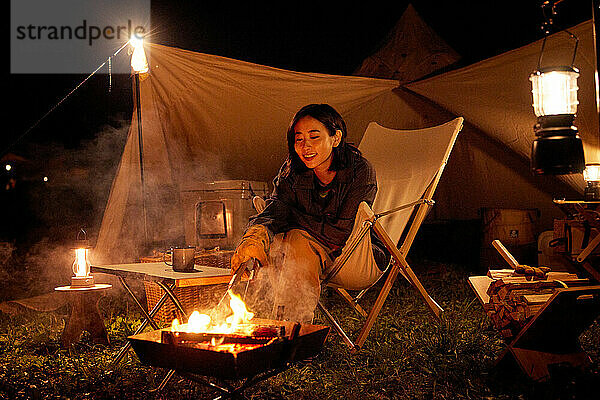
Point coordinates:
pixel 84 314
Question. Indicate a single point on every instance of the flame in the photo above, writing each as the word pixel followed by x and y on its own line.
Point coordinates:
pixel 80 266
pixel 202 323
pixel 175 325
pixel 241 314
pixel 198 322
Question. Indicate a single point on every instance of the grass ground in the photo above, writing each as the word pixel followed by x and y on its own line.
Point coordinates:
pixel 409 355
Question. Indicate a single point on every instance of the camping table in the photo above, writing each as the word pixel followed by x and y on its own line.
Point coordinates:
pixel 550 338
pixel 167 279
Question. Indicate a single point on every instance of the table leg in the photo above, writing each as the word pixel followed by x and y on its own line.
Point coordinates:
pixel 165 380
pixel 151 314
pixel 84 316
pixel 174 299
pixel 137 302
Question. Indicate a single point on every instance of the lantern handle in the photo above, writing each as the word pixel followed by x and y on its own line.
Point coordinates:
pixel 574 48
pixel 81 230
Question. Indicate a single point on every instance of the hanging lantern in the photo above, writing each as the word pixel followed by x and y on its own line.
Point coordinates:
pixel 81 266
pixel 557 149
pixel 555 91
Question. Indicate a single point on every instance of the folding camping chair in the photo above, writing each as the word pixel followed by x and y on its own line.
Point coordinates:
pixel 409 165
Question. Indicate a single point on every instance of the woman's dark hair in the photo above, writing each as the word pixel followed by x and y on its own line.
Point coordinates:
pixel 333 121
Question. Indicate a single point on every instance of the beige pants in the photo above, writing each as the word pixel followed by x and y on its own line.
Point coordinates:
pixel 299 263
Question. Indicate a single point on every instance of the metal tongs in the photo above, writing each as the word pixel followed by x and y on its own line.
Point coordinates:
pixel 251 266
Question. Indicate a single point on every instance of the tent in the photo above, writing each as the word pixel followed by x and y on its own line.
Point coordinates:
pixel 411 51
pixel 209 118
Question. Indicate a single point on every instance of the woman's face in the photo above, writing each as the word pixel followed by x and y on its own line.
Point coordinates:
pixel 313 144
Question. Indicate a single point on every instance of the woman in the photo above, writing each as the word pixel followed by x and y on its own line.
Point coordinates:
pixel 311 213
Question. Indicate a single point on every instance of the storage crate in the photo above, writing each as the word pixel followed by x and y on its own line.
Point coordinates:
pixel 201 298
pixel 513 227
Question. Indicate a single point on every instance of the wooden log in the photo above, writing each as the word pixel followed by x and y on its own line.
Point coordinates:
pixel 561 275
pixel 518 315
pixel 500 273
pixel 505 254
pixel 532 310
pixel 536 298
pixel 517 284
pixel 517 294
pixel 503 292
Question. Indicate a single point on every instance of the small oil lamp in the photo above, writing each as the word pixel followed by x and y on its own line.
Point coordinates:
pixel 81 265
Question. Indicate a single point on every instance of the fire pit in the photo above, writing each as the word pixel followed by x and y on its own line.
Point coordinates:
pixel 235 347
pixel 231 356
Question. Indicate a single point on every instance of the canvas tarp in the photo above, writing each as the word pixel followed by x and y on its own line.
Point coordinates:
pixel 209 118
pixel 494 95
pixel 485 169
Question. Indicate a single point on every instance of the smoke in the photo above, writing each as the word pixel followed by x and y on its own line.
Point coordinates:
pixel 289 286
pixel 57 193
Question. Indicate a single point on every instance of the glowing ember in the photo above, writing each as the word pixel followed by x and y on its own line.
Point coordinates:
pixel 236 322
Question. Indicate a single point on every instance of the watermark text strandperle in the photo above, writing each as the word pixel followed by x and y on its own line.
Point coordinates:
pixel 80 32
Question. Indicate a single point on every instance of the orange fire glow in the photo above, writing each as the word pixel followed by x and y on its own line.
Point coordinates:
pixel 234 323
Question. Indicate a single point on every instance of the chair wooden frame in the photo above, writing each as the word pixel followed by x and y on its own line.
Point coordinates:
pixel 398 263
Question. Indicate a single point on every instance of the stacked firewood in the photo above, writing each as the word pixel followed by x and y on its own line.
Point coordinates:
pixel 515 298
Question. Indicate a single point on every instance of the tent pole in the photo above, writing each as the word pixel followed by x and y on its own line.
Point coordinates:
pixel 141 151
pixel 595 27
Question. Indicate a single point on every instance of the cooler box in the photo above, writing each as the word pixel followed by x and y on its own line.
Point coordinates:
pixel 216 213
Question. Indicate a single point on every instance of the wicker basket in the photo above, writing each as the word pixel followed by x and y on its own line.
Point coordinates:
pixel 201 298
pixel 217 259
pixel 211 258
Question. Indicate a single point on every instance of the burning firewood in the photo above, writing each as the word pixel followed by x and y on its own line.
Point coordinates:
pixel 233 334
pixel 260 334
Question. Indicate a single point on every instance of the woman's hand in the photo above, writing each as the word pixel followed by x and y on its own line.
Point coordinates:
pixel 254 244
